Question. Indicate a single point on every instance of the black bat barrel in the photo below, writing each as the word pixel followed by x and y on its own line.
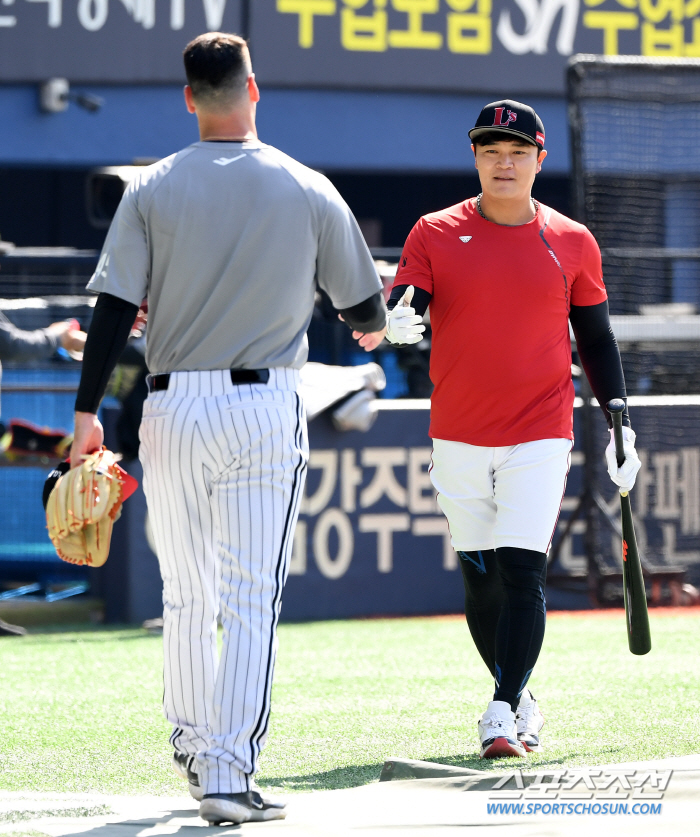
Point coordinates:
pixel 638 632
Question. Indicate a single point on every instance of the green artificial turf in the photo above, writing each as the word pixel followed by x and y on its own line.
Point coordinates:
pixel 81 712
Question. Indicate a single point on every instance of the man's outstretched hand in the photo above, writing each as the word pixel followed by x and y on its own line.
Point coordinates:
pixel 369 342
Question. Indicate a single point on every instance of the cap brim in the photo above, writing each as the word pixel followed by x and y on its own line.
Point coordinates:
pixel 477 132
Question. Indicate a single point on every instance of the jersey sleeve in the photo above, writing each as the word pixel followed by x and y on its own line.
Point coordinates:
pixel 414 265
pixel 123 268
pixel 588 287
pixel 17 344
pixel 344 266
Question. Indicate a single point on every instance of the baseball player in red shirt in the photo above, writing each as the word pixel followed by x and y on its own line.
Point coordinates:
pixel 504 275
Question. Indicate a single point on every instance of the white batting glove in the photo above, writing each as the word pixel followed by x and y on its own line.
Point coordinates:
pixel 404 325
pixel 624 476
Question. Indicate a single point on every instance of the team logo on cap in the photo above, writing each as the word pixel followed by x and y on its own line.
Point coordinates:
pixel 539 136
pixel 498 118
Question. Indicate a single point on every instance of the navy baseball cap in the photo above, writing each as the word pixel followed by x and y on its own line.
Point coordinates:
pixel 510 117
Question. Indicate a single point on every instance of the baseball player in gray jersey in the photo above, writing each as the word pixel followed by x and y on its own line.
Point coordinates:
pixel 228 239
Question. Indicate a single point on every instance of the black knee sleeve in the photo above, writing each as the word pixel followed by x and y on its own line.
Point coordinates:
pixel 524 575
pixel 483 601
pixel 520 630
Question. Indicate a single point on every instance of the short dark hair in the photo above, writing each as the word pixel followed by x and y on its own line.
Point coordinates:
pixel 490 137
pixel 217 66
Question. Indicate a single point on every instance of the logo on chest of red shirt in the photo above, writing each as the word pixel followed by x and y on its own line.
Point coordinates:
pixel 498 118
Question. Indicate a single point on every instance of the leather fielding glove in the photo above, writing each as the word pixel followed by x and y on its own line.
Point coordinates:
pixel 404 326
pixel 82 508
pixel 624 476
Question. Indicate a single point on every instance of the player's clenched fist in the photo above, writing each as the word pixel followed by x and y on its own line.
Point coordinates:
pixel 625 475
pixel 404 325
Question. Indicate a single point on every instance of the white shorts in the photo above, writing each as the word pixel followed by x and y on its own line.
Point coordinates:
pixel 507 496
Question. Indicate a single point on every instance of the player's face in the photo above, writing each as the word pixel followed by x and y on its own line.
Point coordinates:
pixel 507 168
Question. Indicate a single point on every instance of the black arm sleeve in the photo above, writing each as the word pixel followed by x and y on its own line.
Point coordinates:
pixel 367 316
pixel 420 302
pixel 599 354
pixel 111 323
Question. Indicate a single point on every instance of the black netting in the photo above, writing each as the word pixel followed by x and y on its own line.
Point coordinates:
pixel 635 126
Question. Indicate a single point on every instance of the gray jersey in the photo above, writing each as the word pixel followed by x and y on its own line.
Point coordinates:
pixel 228 240
pixel 16 344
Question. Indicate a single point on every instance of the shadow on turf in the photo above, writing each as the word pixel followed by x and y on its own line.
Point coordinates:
pixel 342 777
pixel 134 827
pixel 363 774
pixel 360 774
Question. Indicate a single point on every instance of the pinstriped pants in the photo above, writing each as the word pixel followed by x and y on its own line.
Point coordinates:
pixel 224 468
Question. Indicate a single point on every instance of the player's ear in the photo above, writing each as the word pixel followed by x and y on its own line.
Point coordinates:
pixel 253 90
pixel 540 160
pixel 189 99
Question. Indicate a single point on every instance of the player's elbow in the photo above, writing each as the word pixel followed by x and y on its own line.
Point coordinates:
pixel 367 316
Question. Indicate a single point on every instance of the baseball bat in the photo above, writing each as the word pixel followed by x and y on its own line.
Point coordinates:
pixel 636 614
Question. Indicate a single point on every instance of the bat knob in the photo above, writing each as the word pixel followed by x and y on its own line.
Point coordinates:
pixel 616 405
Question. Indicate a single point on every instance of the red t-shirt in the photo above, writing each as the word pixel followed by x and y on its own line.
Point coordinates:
pixel 501 352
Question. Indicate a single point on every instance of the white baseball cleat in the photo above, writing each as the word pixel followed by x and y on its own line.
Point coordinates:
pixel 236 808
pixel 498 732
pixel 183 765
pixel 529 721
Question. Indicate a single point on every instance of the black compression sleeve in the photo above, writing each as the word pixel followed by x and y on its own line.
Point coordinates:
pixel 367 316
pixel 599 354
pixel 111 323
pixel 420 302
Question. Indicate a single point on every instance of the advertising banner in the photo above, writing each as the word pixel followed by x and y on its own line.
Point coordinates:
pixel 105 40
pixel 508 47
pixel 371 540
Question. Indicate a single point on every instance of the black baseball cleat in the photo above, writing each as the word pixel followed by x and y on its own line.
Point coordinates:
pixel 236 808
pixel 183 765
pixel 11 630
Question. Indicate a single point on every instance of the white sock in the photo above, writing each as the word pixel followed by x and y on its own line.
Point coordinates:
pixel 501 708
pixel 526 698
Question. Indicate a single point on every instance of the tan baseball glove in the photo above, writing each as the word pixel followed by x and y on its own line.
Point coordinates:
pixel 82 508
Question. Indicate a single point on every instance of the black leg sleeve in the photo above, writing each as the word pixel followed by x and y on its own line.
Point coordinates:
pixel 520 631
pixel 483 601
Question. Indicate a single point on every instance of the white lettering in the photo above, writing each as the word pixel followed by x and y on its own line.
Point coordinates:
pixel 327 461
pixel 142 11
pixel 419 482
pixel 645 480
pixel 93 14
pixel 689 489
pixel 384 481
pixel 350 478
pixel 297 563
pixel 671 557
pixel 539 20
pixel 666 467
pixel 338 566
pixel 438 526
pixel 55 10
pixel 177 14
pixel 384 525
pixel 214 11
